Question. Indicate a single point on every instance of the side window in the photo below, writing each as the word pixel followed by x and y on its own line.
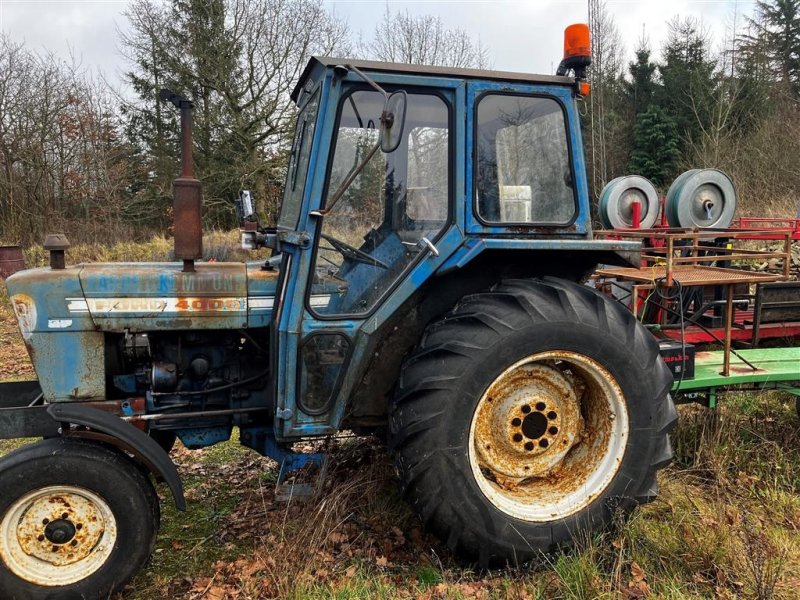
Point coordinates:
pixel 298 163
pixel 427 176
pixel 322 358
pixel 523 169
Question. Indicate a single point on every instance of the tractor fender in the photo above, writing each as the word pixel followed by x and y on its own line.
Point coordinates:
pixel 123 435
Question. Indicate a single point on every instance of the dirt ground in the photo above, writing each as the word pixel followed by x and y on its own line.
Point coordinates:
pixel 726 524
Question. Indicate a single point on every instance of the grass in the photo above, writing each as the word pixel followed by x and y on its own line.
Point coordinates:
pixel 726 524
pixel 217 246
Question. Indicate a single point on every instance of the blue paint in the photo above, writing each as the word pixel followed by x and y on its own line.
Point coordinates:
pixel 125 383
pixel 463 240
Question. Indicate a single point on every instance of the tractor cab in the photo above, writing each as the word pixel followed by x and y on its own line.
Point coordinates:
pixel 403 180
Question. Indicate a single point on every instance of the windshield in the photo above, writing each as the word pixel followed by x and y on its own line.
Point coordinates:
pixel 298 164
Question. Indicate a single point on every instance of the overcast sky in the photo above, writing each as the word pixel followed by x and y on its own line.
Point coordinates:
pixel 521 35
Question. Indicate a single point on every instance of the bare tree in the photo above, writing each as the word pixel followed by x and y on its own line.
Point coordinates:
pixel 423 40
pixel 605 74
pixel 62 159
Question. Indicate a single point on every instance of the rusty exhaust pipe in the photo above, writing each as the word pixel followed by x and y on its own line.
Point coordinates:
pixel 187 192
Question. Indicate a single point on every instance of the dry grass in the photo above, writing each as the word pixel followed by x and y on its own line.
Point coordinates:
pixel 217 246
pixel 726 525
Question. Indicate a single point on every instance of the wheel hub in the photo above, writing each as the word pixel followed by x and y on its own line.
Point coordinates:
pixel 60 531
pixel 548 435
pixel 539 412
pixel 60 528
pixel 57 535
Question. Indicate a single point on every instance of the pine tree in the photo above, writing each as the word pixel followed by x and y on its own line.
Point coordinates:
pixel 150 126
pixel 656 151
pixel 776 34
pixel 640 90
pixel 688 79
pixel 238 60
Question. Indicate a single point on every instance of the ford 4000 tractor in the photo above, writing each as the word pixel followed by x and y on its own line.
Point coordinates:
pixel 425 281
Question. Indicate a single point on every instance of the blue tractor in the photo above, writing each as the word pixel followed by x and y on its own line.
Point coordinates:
pixel 425 282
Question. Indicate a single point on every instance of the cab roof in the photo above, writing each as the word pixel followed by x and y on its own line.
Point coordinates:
pixel 458 73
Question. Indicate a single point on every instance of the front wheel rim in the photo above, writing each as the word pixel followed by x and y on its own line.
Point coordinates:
pixel 57 535
pixel 548 436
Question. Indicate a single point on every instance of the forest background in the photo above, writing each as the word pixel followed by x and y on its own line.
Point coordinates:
pixel 80 156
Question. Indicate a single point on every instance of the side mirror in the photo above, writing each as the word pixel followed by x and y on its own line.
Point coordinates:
pixel 393 121
pixel 244 206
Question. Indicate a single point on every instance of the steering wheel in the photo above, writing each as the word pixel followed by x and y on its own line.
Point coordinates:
pixel 352 253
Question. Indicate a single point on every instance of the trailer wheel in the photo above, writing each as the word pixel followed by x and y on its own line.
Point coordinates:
pixel 531 414
pixel 77 520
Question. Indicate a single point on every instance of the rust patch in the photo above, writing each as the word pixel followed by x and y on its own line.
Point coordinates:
pixel 262 275
pixel 530 420
pixel 582 453
pixel 61 528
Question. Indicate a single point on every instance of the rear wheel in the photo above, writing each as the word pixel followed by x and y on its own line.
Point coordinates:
pixel 77 519
pixel 531 414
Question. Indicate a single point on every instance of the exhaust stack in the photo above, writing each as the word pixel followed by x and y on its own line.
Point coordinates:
pixel 187 192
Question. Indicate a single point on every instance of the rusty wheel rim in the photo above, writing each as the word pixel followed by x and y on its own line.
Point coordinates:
pixel 548 436
pixel 57 535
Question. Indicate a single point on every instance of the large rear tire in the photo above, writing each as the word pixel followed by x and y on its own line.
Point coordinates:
pixel 531 414
pixel 77 520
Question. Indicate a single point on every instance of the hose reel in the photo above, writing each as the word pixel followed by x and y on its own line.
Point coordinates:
pixel 701 198
pixel 618 197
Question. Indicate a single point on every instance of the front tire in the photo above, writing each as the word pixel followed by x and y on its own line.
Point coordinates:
pixel 77 520
pixel 531 414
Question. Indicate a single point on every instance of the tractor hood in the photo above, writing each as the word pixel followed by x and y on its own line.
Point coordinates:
pixel 143 297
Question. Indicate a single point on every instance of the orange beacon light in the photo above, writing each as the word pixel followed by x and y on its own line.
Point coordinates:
pixel 576 41
pixel 577 51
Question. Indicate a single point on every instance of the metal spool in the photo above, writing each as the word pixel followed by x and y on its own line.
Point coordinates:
pixel 618 197
pixel 701 198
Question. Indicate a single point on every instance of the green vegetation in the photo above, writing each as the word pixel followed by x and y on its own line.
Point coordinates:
pixel 699 102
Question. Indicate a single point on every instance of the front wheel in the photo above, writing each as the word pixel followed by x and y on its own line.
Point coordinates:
pixel 77 520
pixel 530 415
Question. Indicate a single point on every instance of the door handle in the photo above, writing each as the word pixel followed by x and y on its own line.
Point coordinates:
pixel 423 244
pixel 426 243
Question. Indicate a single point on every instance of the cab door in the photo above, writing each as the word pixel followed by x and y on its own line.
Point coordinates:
pixel 386 229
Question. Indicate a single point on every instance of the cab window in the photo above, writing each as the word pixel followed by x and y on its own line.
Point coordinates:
pixel 522 161
pixel 298 163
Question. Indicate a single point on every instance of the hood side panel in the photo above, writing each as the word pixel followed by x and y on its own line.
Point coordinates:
pixel 261 294
pixel 160 296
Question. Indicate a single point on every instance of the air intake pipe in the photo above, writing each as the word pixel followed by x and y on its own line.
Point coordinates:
pixel 187 192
